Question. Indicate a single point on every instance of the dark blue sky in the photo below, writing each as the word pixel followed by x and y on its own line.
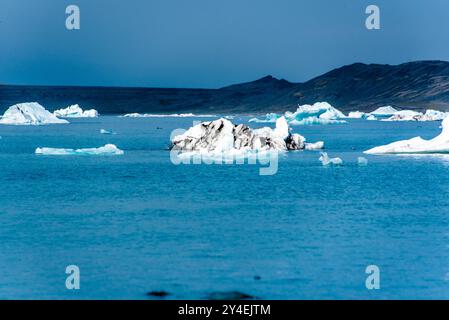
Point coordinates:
pixel 210 43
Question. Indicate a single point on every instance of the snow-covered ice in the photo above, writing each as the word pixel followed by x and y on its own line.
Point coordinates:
pixel 439 144
pixel 410 115
pixel 29 113
pixel 381 112
pixel 108 149
pixel 325 160
pixel 75 111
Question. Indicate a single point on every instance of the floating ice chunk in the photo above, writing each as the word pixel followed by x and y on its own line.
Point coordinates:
pixel 103 131
pixel 361 161
pixel 371 118
pixel 439 144
pixel 75 111
pixel 174 115
pixel 434 115
pixel 281 129
pixel 325 160
pixel 386 111
pixel 108 149
pixel 30 113
pixel 315 146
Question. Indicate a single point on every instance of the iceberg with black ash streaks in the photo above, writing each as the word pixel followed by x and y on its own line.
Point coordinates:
pixel 223 137
pixel 29 113
pixel 108 149
pixel 439 144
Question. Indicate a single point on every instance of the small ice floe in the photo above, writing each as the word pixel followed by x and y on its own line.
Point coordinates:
pixel 361 161
pixel 104 131
pixel 174 115
pixel 223 137
pixel 325 160
pixel 439 144
pixel 318 113
pixel 315 146
pixel 30 113
pixel 108 149
pixel 75 111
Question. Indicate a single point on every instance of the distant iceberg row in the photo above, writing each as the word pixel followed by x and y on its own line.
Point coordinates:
pixel 389 113
pixel 174 115
pixel 32 113
pixel 318 113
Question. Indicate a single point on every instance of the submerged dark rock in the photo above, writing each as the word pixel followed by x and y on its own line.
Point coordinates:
pixel 158 294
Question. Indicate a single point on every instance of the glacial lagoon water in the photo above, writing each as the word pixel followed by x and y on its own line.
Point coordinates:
pixel 136 223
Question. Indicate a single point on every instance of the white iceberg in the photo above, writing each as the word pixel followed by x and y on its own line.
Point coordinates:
pixel 108 149
pixel 358 115
pixel 75 111
pixel 315 146
pixel 223 137
pixel 439 144
pixel 382 112
pixel 410 115
pixel 30 113
pixel 318 113
pixel 174 115
pixel 325 160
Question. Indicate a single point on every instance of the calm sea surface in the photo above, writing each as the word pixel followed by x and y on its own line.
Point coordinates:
pixel 137 223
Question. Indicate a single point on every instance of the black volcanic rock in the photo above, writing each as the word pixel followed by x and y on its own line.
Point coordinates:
pixel 416 85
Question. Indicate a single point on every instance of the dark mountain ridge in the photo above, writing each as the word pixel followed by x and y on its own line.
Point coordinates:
pixel 415 85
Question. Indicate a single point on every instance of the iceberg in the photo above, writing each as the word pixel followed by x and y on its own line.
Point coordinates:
pixel 386 111
pixel 410 115
pixel 30 113
pixel 439 144
pixel 223 137
pixel 358 115
pixel 318 113
pixel 315 146
pixel 108 149
pixel 174 115
pixel 325 160
pixel 75 111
